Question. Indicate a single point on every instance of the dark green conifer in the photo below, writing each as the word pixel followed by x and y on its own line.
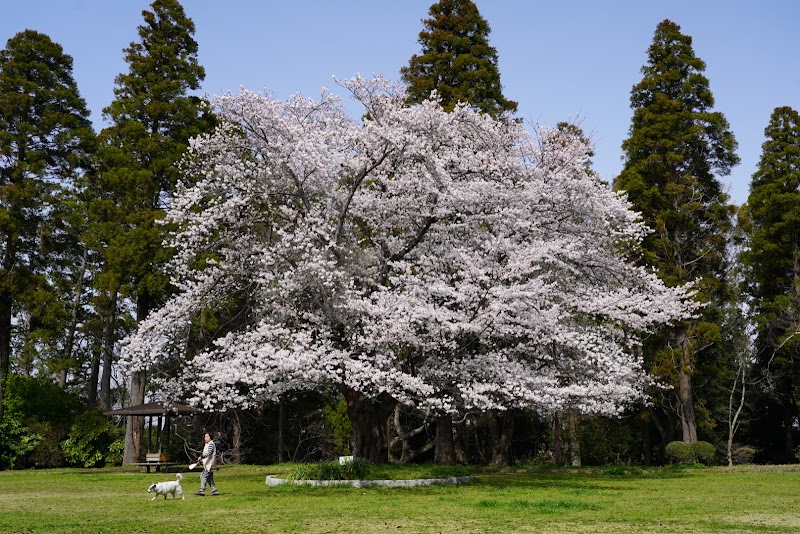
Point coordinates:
pixel 773 276
pixel 152 118
pixel 676 148
pixel 45 142
pixel 457 60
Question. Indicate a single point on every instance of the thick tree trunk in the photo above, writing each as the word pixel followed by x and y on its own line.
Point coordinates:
pixel 444 451
pixel 365 423
pixel 557 440
pixel 236 439
pixel 109 339
pixel 94 378
pixel 685 396
pixel 502 425
pixel 647 441
pixel 461 432
pixel 574 440
pixel 281 431
pixel 664 434
pixel 135 428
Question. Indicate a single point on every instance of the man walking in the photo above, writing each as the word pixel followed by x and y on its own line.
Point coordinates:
pixel 209 460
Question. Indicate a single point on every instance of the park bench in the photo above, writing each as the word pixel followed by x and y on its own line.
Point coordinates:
pixel 157 461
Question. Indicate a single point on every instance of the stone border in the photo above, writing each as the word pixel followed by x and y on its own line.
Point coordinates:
pixel 272 480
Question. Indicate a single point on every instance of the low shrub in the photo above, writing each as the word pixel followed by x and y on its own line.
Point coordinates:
pixel 16 441
pixel 704 451
pixel 358 469
pixel 392 471
pixel 623 470
pixel 116 451
pixel 32 430
pixel 355 470
pixel 680 452
pixel 743 455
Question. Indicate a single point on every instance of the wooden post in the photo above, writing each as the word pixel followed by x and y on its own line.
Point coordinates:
pixel 158 435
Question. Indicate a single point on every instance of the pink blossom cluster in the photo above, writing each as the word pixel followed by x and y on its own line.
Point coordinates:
pixel 449 260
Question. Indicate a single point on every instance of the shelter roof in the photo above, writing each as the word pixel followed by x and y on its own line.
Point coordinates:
pixel 155 408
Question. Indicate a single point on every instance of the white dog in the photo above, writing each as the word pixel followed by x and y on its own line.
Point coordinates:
pixel 163 488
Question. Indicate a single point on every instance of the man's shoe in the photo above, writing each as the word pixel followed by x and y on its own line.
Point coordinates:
pixel 200 494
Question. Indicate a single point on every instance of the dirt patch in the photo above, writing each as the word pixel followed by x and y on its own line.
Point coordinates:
pixel 785 520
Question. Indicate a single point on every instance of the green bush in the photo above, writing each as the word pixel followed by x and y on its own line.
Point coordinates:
pixel 40 399
pixel 42 413
pixel 90 440
pixel 337 422
pixel 355 470
pixel 45 426
pixel 47 452
pixel 680 452
pixel 16 441
pixel 116 450
pixel 743 455
pixel 704 451
pixel 358 469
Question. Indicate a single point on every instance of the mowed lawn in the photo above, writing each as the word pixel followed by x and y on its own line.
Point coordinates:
pixel 744 499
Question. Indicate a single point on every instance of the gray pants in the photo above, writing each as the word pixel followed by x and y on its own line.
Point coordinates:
pixel 207 476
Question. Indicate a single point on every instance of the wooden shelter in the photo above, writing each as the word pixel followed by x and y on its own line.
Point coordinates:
pixel 163 412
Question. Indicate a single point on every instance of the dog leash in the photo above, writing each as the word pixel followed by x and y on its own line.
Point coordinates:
pixel 191 466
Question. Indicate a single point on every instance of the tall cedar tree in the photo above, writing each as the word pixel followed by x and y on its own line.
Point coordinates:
pixel 676 144
pixel 459 64
pixel 152 118
pixel 457 61
pixel 773 275
pixel 45 142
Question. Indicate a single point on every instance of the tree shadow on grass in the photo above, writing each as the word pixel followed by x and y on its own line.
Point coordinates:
pixel 590 479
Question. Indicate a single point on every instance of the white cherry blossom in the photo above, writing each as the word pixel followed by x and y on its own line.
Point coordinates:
pixel 449 260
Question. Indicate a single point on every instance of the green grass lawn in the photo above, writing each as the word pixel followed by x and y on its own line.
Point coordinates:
pixel 744 499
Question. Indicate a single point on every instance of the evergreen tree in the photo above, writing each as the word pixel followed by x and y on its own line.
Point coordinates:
pixel 773 276
pixel 152 118
pixel 456 60
pixel 45 141
pixel 676 145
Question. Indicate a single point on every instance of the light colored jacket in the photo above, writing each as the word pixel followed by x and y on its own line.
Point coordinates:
pixel 209 456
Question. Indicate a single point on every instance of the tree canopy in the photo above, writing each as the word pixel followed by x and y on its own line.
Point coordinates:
pixel 457 61
pixel 46 141
pixel 426 255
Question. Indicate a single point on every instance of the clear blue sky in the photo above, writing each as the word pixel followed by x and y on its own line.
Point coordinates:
pixel 559 60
